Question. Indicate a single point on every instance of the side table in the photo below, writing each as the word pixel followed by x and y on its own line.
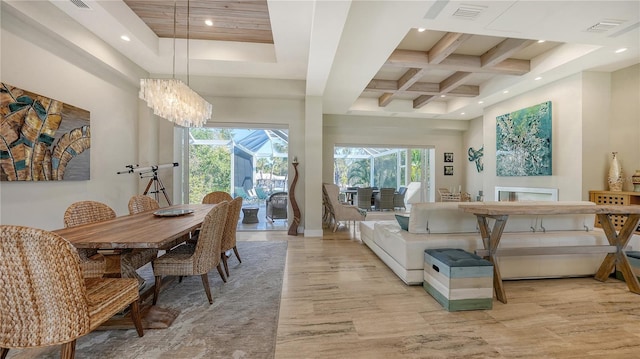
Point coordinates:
pixel 250 215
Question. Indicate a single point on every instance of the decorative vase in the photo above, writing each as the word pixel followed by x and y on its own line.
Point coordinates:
pixel 615 174
pixel 635 179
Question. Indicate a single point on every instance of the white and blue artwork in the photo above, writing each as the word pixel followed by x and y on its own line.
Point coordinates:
pixel 523 142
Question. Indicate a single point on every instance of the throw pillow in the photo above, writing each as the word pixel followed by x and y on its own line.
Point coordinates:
pixel 403 221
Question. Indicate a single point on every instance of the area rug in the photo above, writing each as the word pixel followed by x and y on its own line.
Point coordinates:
pixel 242 322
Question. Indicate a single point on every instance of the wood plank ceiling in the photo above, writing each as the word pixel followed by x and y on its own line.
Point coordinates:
pixel 242 21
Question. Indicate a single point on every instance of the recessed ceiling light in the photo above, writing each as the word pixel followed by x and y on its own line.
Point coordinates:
pixel 208 22
pixel 462 113
pixel 541 41
pixel 421 29
pixel 621 50
pixel 442 95
pixel 125 38
pixel 505 91
pixel 538 78
pixel 480 102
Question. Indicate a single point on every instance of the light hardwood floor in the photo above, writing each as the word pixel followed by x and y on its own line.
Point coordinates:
pixel 340 301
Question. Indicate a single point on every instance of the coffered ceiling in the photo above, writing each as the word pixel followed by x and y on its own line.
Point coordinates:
pixel 360 57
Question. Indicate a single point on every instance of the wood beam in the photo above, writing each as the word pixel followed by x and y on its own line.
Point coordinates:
pixel 422 100
pixel 422 88
pixel 385 99
pixel 446 46
pixel 455 62
pixel 453 81
pixel 410 77
pixel 502 51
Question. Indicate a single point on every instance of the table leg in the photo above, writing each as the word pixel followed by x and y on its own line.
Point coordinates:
pixel 491 240
pixel 153 317
pixel 619 240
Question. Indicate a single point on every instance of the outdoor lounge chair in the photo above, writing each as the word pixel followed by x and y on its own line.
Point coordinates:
pixel 276 206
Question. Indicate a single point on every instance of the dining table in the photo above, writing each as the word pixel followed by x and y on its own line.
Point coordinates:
pixel 160 229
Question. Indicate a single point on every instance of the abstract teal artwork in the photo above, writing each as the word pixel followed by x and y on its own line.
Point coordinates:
pixel 523 142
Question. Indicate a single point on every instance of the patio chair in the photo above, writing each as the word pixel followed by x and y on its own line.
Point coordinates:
pixel 241 192
pixel 261 193
pixel 398 198
pixel 364 198
pixel 45 298
pixel 276 206
pixel 384 199
pixel 342 212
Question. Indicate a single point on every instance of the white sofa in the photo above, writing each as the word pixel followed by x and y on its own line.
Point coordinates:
pixel 444 225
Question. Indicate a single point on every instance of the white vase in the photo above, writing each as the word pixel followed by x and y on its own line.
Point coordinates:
pixel 615 174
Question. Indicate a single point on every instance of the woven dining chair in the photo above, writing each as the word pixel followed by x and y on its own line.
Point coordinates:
pixel 195 258
pixel 46 301
pixel 78 213
pixel 216 197
pixel 85 212
pixel 230 229
pixel 142 203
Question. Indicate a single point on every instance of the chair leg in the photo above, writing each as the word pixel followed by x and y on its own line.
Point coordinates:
pixel 4 352
pixel 235 251
pixel 156 289
pixel 224 279
pixel 68 350
pixel 135 317
pixel 223 258
pixel 205 283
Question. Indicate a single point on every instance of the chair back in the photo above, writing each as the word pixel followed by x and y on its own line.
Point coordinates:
pixel 216 197
pixel 141 203
pixel 207 252
pixel 231 225
pixel 398 198
pixel 85 212
pixel 364 197
pixel 43 297
pixel 385 198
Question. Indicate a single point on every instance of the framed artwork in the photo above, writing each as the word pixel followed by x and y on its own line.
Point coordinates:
pixel 448 156
pixel 42 139
pixel 448 170
pixel 523 142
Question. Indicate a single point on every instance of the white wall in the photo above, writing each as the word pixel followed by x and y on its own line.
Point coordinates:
pixel 593 113
pixel 42 64
pixel 474 180
pixel 625 120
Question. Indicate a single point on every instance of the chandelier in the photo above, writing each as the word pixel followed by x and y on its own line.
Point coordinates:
pixel 172 99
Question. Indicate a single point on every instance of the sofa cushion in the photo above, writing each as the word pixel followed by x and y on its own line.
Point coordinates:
pixel 440 217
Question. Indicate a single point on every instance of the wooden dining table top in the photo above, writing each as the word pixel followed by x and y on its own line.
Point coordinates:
pixel 142 230
pixel 541 208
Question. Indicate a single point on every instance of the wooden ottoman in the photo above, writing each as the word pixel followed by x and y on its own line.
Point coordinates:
pixel 457 279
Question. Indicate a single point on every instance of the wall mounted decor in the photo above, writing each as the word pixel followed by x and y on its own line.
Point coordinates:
pixel 448 170
pixel 476 156
pixel 523 142
pixel 42 139
pixel 448 156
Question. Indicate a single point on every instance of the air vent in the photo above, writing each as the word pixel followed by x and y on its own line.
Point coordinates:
pixel 604 26
pixel 80 4
pixel 468 12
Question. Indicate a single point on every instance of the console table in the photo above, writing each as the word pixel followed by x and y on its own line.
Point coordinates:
pixel 500 212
